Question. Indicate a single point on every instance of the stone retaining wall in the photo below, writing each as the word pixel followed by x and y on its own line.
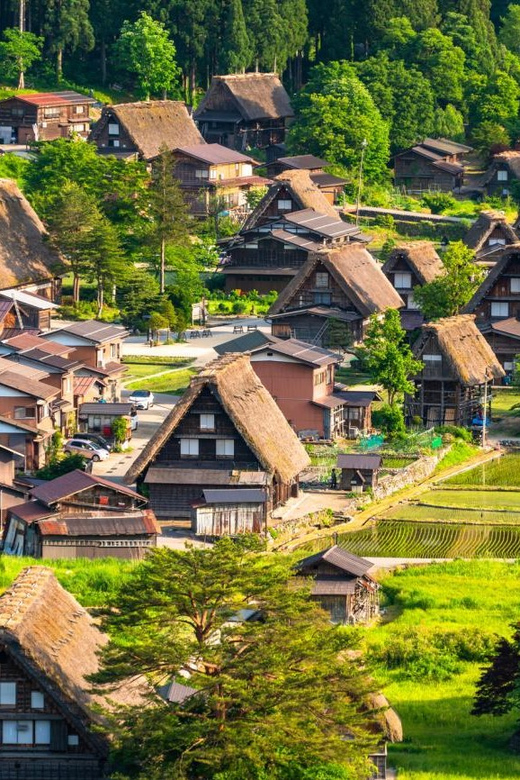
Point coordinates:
pixel 420 469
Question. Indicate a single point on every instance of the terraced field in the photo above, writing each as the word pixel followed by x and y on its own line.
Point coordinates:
pixel 431 514
pixel 503 471
pixel 394 539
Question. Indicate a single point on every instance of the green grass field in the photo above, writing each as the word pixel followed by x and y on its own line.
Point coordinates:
pixel 174 382
pixel 473 499
pixel 440 623
pixel 504 471
pixel 434 514
pixel 401 539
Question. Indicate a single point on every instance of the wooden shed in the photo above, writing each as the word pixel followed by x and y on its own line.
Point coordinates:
pixel 359 471
pixel 342 585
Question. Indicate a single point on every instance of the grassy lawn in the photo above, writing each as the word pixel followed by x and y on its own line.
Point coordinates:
pixel 145 368
pixel 174 382
pixel 506 422
pixel 439 625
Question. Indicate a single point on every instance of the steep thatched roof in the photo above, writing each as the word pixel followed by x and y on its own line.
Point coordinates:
pixel 25 256
pixel 357 274
pixel 510 159
pixel 420 256
pixel 504 255
pixel 253 95
pixel 56 640
pixel 252 410
pixel 484 226
pixel 153 125
pixel 464 347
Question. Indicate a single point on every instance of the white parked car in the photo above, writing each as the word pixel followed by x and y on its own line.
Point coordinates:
pixel 88 449
pixel 142 399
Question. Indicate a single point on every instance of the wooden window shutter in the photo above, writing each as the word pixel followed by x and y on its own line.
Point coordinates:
pixel 59 732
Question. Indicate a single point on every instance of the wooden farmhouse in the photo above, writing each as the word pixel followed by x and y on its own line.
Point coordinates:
pixel 336 288
pixel 359 471
pixel 488 235
pixel 412 265
pixel 504 169
pixel 80 515
pixel 434 164
pixel 144 130
pixel 209 171
pixel 244 111
pixel 301 379
pixel 226 448
pixel 331 186
pixel 23 310
pixel 49 646
pixel 458 367
pixel 293 219
pixel 97 345
pixel 342 585
pixel 504 339
pixel 44 116
pixel 27 261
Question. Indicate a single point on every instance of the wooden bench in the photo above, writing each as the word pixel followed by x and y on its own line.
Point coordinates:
pixel 238 329
pixel 195 334
pixel 252 327
pixel 205 333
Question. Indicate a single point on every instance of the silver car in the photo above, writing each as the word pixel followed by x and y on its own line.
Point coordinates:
pixel 89 449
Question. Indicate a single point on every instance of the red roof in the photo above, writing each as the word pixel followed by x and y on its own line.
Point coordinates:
pixel 74 482
pixel 30 341
pixel 68 97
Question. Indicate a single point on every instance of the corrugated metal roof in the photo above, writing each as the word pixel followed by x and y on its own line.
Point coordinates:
pixel 113 525
pixel 66 97
pixel 178 693
pixel 327 180
pixel 163 475
pixel 244 343
pixel 235 496
pixel 215 154
pixel 339 557
pixel 359 461
pixel 105 409
pixel 74 482
pixel 28 299
pixel 300 350
pixel 30 511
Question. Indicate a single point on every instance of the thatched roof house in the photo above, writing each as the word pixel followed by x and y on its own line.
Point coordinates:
pixel 245 109
pixel 356 273
pixel 418 257
pixel 145 129
pixel 498 284
pixel 26 258
pixel 504 169
pixel 49 645
pixel 490 232
pixel 467 352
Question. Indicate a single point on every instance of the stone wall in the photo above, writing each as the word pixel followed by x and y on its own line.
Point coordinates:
pixel 420 469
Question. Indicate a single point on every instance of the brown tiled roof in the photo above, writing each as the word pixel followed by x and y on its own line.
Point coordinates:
pixel 464 347
pixel 252 410
pixel 509 327
pixel 255 96
pixel 25 255
pixel 74 482
pixel 215 154
pixel 30 511
pixel 27 385
pixel 422 258
pixel 25 341
pixel 153 125
pixel 355 271
pixel 7 364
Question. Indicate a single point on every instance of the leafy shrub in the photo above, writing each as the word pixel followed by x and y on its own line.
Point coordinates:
pixel 385 221
pixel 438 202
pixel 239 307
pixel 456 431
pixel 389 419
pixel 60 467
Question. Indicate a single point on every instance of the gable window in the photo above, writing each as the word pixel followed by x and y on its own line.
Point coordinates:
pixel 113 142
pixel 502 175
pixel 37 700
pixel 431 358
pixel 207 422
pixel 499 309
pixel 412 304
pixel 496 241
pixel 8 694
pixel 113 128
pixel 285 204
pixel 78 109
pixel 22 412
pixel 72 740
pixel 42 732
pixel 225 448
pixel 402 281
pixel 322 279
pixel 323 298
pixel 17 732
pixel 189 447
pixel 515 285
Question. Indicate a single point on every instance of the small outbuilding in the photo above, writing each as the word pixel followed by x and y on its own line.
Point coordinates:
pixel 359 471
pixel 342 585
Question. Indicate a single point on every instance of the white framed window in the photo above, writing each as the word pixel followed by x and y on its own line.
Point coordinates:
pixel 515 284
pixel 17 732
pixel 72 740
pixel 247 169
pixel 79 128
pixel 113 128
pixel 212 173
pixel 412 303
pixel 207 422
pixel 502 175
pixel 42 732
pixel 322 279
pixel 189 446
pixel 432 358
pixel 285 204
pixel 225 448
pixel 508 366
pixel 114 143
pixel 496 241
pixel 8 694
pixel 51 113
pixel 499 309
pixel 201 173
pixel 37 700
pixel 402 281
pixel 78 110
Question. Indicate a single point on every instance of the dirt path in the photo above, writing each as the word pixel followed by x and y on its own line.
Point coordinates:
pixel 377 508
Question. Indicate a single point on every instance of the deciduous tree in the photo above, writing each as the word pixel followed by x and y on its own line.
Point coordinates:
pixel 18 52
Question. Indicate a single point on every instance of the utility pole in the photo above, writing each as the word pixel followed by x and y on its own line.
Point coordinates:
pixel 484 421
pixel 364 145
pixel 21 76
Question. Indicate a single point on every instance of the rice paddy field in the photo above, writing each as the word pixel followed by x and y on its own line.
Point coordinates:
pixel 475 514
pixel 441 621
